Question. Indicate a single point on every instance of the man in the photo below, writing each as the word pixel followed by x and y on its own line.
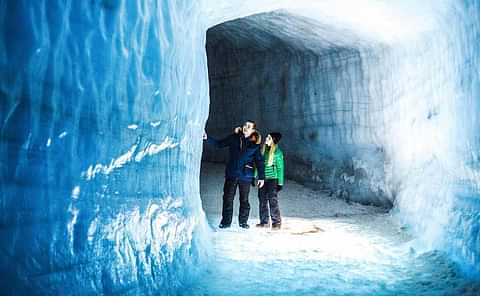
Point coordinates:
pixel 244 155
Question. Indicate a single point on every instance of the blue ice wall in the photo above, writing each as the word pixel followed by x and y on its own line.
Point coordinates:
pixel 102 106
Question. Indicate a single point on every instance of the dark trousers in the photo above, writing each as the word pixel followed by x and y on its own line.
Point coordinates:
pixel 229 189
pixel 268 197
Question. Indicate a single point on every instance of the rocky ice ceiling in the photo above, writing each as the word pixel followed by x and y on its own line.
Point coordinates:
pixel 103 104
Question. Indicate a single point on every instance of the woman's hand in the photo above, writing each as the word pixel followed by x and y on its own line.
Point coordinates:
pixel 260 183
pixel 237 130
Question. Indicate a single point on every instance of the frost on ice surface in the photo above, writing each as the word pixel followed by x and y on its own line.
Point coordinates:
pixel 133 154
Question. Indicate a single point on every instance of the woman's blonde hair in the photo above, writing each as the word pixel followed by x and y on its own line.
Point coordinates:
pixel 271 152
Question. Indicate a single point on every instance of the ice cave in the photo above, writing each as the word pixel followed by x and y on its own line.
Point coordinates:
pixel 107 186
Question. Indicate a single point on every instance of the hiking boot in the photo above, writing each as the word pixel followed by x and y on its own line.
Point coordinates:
pixel 262 225
pixel 276 226
pixel 224 225
pixel 244 225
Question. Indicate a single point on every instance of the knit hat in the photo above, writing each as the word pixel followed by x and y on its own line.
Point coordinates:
pixel 276 137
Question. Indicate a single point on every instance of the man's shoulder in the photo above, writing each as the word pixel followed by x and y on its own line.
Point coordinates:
pixel 233 136
pixel 254 146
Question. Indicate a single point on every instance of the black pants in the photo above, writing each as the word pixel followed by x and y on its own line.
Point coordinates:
pixel 268 197
pixel 229 189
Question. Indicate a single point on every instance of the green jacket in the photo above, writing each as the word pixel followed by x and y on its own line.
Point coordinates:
pixel 276 170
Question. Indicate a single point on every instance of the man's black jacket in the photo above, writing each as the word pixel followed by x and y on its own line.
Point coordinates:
pixel 244 156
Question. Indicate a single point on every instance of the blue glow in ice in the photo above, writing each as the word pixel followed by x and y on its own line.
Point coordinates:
pixel 99 146
pixel 103 105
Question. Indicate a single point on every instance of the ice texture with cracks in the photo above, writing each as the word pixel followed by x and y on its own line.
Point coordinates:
pixel 102 107
pixel 101 103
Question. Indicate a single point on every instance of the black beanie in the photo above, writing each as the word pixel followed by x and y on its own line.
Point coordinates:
pixel 276 137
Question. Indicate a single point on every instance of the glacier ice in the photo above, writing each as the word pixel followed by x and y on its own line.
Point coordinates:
pixel 99 146
pixel 103 104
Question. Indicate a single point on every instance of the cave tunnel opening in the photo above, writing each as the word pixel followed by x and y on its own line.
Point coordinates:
pixel 328 90
pixel 308 81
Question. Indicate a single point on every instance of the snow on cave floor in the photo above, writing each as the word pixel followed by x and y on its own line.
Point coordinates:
pixel 325 247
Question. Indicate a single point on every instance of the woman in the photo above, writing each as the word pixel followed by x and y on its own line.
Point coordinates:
pixel 274 178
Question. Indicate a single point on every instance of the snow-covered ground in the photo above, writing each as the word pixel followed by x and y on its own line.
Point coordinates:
pixel 325 247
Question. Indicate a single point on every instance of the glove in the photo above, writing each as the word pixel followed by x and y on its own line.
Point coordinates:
pixel 279 188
